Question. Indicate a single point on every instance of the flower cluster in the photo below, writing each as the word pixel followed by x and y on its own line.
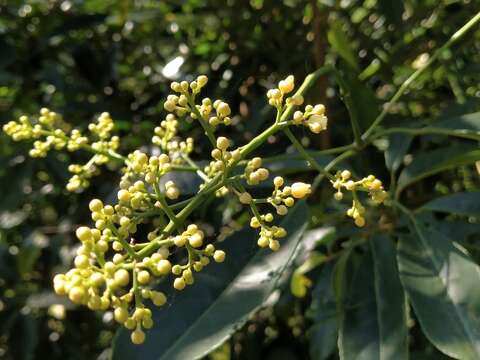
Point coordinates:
pixel 116 267
pixel 254 173
pixel 369 184
pixel 124 282
pixel 276 96
pixel 166 138
pixel 281 200
pixel 313 117
pixel 50 132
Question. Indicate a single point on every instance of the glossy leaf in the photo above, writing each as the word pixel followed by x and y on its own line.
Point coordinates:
pixel 358 97
pixel 204 315
pixel 443 285
pixel 398 146
pixel 462 124
pixel 323 313
pixel 374 323
pixel 432 162
pixel 463 203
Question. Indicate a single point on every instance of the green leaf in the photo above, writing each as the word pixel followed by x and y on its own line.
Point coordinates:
pixel 398 146
pixel 205 314
pixel 463 203
pixel 360 100
pixel 24 339
pixel 342 44
pixel 390 300
pixel 374 322
pixel 323 313
pixel 435 161
pixel 443 285
pixel 462 124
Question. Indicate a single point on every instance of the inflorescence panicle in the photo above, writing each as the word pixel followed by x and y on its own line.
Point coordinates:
pixel 115 269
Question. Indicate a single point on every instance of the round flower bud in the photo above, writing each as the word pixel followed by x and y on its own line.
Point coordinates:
pixel 84 233
pixel 209 249
pixel 97 279
pixel 95 205
pixel 300 190
pixel 256 162
pixel 179 283
pixel 164 267
pixel 81 262
pixel 274 245
pixel 202 80
pixel 76 294
pixel 268 217
pixel 345 174
pixel 263 174
pixel 122 277
pixel 338 196
pixel 219 256
pixel 223 109
pixel 196 240
pixel 172 193
pixel 169 105
pixel 223 143
pixel 376 185
pixel 120 314
pixel 130 324
pixel 143 277
pixel 278 181
pixel 59 287
pixel 176 270
pixel 158 298
pixel 360 221
pixel 138 337
pixel 123 195
pixel 289 201
pixel 319 109
pixel 350 185
pixel 263 242
pixel 287 85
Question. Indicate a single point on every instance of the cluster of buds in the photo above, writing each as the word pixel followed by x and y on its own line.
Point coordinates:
pixel 369 184
pixel 103 127
pixel 254 173
pixel 179 104
pixel 313 117
pixel 149 168
pixel 112 270
pixel 46 126
pixel 81 175
pixel 277 96
pixel 165 137
pixel 222 156
pixel 221 115
pixel 282 199
pixel 49 131
pixel 166 131
pixel 124 283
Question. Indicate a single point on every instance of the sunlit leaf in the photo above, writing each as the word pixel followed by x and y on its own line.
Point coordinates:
pixel 443 285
